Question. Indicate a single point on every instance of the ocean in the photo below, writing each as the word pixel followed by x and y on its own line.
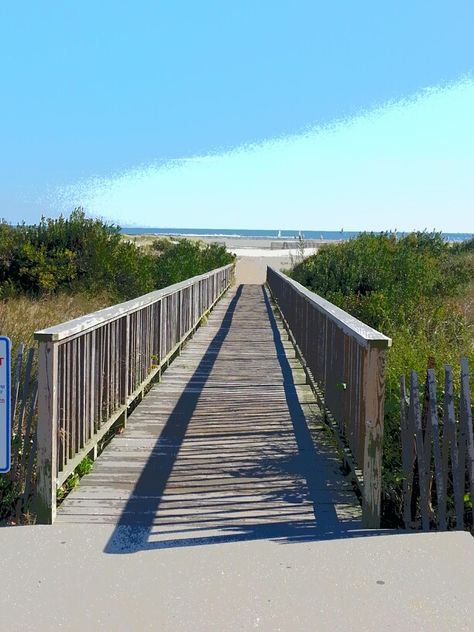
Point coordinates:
pixel 330 235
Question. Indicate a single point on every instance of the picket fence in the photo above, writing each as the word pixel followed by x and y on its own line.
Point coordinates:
pixel 437 452
pixel 24 413
pixel 436 441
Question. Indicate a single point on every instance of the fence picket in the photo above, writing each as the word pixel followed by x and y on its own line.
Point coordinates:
pixel 450 449
pixel 420 451
pixel 408 453
pixel 438 463
pixel 17 378
pixel 466 423
pixel 451 439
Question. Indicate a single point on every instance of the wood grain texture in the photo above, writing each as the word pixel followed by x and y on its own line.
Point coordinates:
pixel 109 314
pixel 101 368
pixel 349 324
pixel 438 463
pixel 415 415
pixel 442 442
pixel 229 445
pixel 373 402
pixel 466 424
pixel 347 361
pixel 47 432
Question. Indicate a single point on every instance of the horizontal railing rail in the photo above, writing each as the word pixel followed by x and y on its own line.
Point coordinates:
pixel 91 369
pixel 345 359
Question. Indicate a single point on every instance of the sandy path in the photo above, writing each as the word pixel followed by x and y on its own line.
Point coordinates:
pixel 254 269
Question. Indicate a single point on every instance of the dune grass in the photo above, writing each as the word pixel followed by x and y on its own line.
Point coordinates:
pixel 21 316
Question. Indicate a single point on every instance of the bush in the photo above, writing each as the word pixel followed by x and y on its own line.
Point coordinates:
pixel 382 279
pixel 84 255
pixel 182 259
pixel 76 254
pixel 410 289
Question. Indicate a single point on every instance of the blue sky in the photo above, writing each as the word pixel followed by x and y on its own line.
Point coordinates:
pixel 252 114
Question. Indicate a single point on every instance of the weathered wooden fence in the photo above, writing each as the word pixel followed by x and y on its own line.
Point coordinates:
pixel 437 452
pixel 92 368
pixel 23 410
pixel 345 362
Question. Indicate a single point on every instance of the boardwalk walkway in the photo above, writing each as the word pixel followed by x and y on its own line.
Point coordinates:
pixel 227 447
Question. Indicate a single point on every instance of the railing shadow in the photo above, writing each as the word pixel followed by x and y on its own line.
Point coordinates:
pixel 246 485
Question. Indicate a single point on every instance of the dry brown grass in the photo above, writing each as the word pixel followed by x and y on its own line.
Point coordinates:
pixel 21 316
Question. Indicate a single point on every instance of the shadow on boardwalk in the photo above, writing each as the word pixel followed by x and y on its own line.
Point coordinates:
pixel 235 459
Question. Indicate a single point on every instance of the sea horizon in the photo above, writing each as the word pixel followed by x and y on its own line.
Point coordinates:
pixel 248 233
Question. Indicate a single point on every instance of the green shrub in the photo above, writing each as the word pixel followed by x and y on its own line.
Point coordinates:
pixel 410 289
pixel 182 259
pixel 83 255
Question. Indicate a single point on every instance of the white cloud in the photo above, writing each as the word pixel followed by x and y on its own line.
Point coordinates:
pixel 407 164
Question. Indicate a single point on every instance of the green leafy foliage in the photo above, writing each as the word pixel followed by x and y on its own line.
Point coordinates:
pixel 182 259
pixel 65 267
pixel 84 467
pixel 80 254
pixel 411 289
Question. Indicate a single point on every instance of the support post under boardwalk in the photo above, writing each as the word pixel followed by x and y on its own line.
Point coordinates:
pixel 373 401
pixel 47 433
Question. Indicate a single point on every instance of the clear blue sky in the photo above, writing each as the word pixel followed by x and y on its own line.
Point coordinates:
pixel 298 114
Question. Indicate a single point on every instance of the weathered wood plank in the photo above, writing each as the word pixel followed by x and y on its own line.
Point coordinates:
pixel 466 423
pixel 408 454
pixel 374 403
pixel 438 464
pixel 47 432
pixel 346 360
pixel 109 314
pixel 415 414
pixel 451 443
pixel 221 446
pixel 344 321
pixel 101 365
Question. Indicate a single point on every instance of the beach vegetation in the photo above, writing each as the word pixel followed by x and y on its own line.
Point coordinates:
pixel 63 268
pixel 419 290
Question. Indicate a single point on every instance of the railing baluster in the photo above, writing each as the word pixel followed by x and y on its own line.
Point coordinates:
pixel 106 360
pixel 346 360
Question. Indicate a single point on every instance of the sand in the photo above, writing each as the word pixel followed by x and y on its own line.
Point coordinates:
pixel 254 269
pixel 254 254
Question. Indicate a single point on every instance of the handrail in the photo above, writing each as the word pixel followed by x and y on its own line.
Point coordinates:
pixel 350 325
pixel 345 361
pixel 91 369
pixel 108 314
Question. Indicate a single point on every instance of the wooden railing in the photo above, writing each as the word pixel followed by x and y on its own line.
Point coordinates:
pixel 345 362
pixel 92 368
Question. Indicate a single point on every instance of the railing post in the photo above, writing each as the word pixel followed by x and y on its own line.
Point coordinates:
pixel 125 364
pixel 47 432
pixel 100 374
pixel 373 406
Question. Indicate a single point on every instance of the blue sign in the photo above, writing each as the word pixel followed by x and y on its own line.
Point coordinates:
pixel 5 399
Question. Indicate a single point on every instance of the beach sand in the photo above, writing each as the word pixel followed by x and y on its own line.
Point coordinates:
pixel 253 254
pixel 254 269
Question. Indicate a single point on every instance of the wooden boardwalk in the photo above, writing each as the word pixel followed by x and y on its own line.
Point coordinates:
pixel 227 447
